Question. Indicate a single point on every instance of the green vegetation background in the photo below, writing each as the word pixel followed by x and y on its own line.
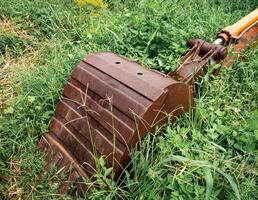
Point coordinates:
pixel 211 154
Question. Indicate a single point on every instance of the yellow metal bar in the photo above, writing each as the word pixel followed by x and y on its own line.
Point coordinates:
pixel 236 29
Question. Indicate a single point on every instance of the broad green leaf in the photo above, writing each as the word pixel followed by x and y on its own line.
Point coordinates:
pixel 256 134
pixel 209 182
pixel 232 183
pixel 108 171
pixel 9 110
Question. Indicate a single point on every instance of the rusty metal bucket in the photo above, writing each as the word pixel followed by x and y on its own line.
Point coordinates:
pixel 107 106
pixel 110 103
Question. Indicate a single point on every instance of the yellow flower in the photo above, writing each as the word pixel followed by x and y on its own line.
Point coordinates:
pixel 95 3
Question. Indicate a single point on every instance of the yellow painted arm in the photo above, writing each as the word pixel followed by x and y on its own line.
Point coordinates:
pixel 235 31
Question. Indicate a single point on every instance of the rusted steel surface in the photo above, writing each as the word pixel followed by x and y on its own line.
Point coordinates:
pixel 107 106
pixel 247 39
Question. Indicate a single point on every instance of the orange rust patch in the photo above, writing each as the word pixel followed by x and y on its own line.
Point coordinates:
pixel 249 39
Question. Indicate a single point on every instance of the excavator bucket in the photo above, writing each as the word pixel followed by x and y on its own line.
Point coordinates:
pixel 107 106
pixel 110 103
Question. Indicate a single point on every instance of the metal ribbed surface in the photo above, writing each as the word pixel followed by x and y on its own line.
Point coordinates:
pixel 105 109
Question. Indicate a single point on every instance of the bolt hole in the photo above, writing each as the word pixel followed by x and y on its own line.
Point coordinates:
pixel 118 62
pixel 139 73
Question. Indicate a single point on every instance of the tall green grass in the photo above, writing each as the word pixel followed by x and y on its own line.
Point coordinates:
pixel 210 154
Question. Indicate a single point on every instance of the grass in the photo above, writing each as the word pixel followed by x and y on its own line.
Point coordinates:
pixel 211 154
